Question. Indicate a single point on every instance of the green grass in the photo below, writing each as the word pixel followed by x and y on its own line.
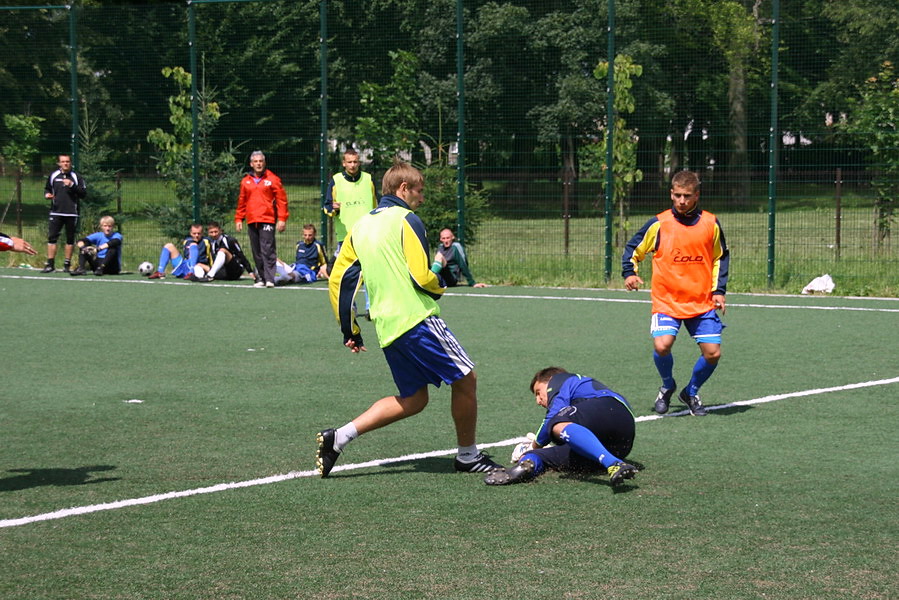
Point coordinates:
pixel 792 499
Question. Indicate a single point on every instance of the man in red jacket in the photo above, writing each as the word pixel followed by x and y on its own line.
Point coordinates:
pixel 263 203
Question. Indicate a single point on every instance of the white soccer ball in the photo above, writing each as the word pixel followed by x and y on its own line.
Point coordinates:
pixel 145 268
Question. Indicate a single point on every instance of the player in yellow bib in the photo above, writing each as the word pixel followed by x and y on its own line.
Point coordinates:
pixel 350 196
pixel 388 249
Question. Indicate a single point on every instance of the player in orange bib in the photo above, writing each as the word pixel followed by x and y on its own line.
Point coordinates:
pixel 689 281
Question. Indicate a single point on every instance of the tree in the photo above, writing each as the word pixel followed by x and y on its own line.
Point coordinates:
pixel 103 194
pixel 24 135
pixel 219 170
pixel 874 118
pixel 624 141
pixel 389 122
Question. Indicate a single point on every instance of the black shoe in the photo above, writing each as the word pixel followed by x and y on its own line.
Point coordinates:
pixel 78 271
pixel 327 454
pixel 663 400
pixel 621 471
pixel 48 269
pixel 66 269
pixel 480 464
pixel 693 403
pixel 98 272
pixel 523 471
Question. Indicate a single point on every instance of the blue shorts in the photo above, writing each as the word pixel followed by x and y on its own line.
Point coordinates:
pixel 427 353
pixel 179 267
pixel 705 328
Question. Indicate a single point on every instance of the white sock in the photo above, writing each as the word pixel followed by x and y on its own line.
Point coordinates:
pixel 217 264
pixel 467 453
pixel 344 435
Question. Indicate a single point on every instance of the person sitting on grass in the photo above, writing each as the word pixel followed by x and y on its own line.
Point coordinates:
pixel 193 264
pixel 451 263
pixel 101 251
pixel 591 427
pixel 229 261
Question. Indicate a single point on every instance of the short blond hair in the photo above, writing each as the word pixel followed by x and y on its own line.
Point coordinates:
pixel 685 179
pixel 107 219
pixel 397 174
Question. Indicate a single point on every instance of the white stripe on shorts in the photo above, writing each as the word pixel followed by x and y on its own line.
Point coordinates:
pixel 450 344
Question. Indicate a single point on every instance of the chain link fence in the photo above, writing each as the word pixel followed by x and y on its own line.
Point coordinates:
pixel 746 98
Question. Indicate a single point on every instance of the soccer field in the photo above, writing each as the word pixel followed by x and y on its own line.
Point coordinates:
pixel 158 441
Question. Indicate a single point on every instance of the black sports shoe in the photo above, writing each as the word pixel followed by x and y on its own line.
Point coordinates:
pixel 621 471
pixel 78 271
pixel 480 464
pixel 693 403
pixel 327 454
pixel 48 269
pixel 663 400
pixel 523 471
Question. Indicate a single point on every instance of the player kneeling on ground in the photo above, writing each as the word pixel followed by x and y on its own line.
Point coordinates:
pixel 590 425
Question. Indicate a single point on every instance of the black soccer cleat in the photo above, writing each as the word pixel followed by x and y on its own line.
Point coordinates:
pixel 327 454
pixel 621 471
pixel 48 269
pixel 523 471
pixel 693 403
pixel 77 272
pixel 480 464
pixel 663 400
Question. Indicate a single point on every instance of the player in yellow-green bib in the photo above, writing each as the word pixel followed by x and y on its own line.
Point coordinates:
pixel 388 250
pixel 350 196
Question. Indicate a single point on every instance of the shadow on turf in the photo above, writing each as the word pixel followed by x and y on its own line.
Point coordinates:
pixel 445 465
pixel 31 478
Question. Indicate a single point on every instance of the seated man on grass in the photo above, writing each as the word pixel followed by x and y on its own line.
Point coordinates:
pixel 101 251
pixel 193 263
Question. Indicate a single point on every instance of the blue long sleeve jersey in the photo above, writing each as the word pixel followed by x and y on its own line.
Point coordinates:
pixel 568 389
pixel 98 238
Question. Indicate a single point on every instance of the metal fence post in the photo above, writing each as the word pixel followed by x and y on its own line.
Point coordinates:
pixel 460 127
pixel 194 108
pixel 610 138
pixel 73 84
pixel 773 142
pixel 323 136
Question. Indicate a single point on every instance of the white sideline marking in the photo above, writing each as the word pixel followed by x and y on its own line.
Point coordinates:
pixel 488 295
pixel 221 487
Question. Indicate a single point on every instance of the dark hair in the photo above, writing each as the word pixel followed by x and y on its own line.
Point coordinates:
pixel 310 226
pixel 212 224
pixel 544 375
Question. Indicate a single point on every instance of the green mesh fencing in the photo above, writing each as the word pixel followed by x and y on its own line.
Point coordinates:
pixel 697 86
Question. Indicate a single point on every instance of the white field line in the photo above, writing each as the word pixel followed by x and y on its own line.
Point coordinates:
pixel 221 487
pixel 489 295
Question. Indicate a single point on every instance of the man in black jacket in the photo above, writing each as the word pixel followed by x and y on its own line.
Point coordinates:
pixel 65 189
